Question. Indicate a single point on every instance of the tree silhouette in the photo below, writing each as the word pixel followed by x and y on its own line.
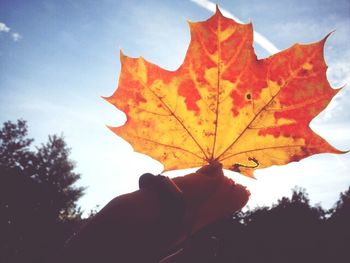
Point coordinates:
pixel 55 170
pixel 338 230
pixel 14 147
pixel 37 195
pixel 290 231
pixel 341 210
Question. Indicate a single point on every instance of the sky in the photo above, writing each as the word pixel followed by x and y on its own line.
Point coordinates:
pixel 57 58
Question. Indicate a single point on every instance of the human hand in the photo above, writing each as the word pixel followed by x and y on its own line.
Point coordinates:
pixel 133 227
pixel 209 196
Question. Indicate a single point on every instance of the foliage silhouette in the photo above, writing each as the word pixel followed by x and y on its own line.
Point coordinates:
pixel 37 196
pixel 338 229
pixel 290 231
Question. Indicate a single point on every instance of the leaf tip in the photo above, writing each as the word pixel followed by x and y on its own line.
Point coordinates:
pixel 337 90
pixel 341 87
pixel 217 10
pixel 121 54
pixel 324 39
pixel 253 177
pixel 110 99
pixel 105 98
pixel 328 35
pixel 189 22
pixel 249 174
pixel 109 127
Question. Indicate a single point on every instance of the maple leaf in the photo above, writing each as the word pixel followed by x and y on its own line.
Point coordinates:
pixel 223 104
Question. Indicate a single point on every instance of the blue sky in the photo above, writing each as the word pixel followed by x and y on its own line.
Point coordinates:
pixel 57 58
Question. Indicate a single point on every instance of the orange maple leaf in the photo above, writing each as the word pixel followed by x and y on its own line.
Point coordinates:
pixel 223 104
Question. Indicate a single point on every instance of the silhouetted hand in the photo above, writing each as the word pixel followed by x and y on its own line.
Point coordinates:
pixel 142 226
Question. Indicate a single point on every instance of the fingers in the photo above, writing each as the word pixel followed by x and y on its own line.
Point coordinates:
pixel 213 169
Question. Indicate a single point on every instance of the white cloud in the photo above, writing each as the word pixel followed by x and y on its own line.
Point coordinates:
pixel 14 35
pixel 258 38
pixel 4 27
